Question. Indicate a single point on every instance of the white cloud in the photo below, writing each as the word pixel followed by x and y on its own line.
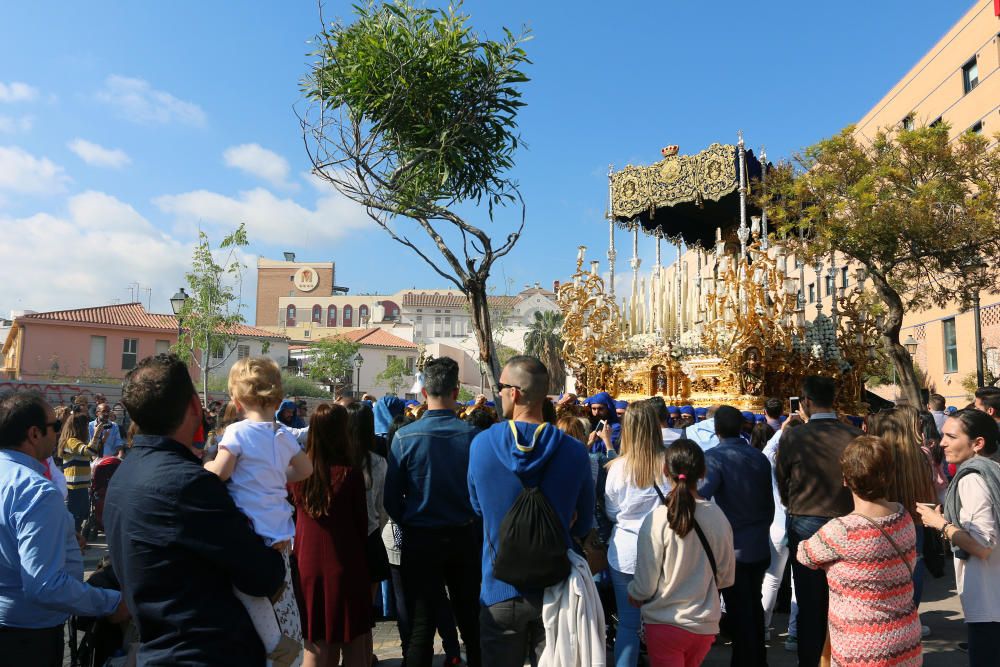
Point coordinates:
pixel 88 256
pixel 22 172
pixel 97 155
pixel 16 124
pixel 137 101
pixel 258 161
pixel 17 91
pixel 269 219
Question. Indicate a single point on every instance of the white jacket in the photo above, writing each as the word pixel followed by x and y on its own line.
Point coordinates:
pixel 574 620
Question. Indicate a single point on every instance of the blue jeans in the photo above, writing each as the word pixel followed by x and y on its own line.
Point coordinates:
pixel 627 635
pixel 984 643
pixel 78 504
pixel 811 591
pixel 918 568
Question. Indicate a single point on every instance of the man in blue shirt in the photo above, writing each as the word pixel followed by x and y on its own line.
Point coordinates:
pixel 108 435
pixel 427 495
pixel 738 479
pixel 41 567
pixel 178 543
pixel 537 455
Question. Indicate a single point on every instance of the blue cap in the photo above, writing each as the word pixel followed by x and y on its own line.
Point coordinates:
pixel 412 402
pixel 621 405
pixel 687 410
pixel 782 418
pixel 747 416
pixel 951 409
pixel 701 412
pixel 490 404
pixel 673 409
pixel 760 419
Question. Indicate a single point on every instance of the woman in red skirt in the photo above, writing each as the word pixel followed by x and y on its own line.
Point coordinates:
pixel 330 531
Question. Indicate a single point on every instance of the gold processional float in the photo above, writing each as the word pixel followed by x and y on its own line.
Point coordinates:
pixel 725 323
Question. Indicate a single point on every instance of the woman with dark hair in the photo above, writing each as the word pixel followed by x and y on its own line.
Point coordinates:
pixel 869 556
pixel 971 522
pixel 362 425
pixel 932 450
pixel 330 536
pixel 761 435
pixel 685 556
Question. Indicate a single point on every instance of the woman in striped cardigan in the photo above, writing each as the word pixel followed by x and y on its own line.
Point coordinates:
pixel 868 557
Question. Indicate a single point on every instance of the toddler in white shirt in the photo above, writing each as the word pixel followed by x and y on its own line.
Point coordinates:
pixel 259 457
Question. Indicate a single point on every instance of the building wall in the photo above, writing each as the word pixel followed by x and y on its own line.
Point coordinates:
pixel 276 279
pixel 50 351
pixel 250 347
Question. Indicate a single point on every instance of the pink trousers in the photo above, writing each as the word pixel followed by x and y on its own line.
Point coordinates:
pixel 671 646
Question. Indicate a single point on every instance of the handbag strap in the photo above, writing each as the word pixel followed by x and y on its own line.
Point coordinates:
pixel 895 546
pixel 701 538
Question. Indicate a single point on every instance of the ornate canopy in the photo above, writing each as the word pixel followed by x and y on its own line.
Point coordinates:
pixel 684 196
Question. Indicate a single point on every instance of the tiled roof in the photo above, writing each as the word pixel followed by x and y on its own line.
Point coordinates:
pixel 119 315
pixel 452 300
pixel 133 315
pixel 377 338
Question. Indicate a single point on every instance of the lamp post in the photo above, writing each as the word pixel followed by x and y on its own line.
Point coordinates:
pixel 358 360
pixel 177 305
pixel 910 344
pixel 978 266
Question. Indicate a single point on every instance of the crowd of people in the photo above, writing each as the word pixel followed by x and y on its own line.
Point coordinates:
pixel 539 529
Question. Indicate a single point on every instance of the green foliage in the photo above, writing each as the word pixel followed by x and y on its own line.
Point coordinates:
pixel 915 209
pixel 464 395
pixel 505 353
pixel 881 373
pixel 212 307
pixel 544 340
pixel 919 212
pixel 394 375
pixel 296 385
pixel 331 360
pixel 442 102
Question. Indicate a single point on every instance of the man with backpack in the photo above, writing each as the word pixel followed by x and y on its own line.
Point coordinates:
pixel 532 485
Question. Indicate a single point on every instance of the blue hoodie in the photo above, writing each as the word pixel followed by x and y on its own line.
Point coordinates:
pixel 295 421
pixel 556 461
pixel 386 409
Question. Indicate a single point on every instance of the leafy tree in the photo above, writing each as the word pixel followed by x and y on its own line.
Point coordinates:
pixel 918 212
pixel 331 361
pixel 544 340
pixel 412 115
pixel 394 375
pixel 213 307
pixel 465 395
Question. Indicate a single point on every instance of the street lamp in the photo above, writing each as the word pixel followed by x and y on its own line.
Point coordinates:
pixel 978 266
pixel 177 305
pixel 910 344
pixel 358 360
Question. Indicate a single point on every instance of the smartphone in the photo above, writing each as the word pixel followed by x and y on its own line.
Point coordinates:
pixel 600 425
pixel 793 404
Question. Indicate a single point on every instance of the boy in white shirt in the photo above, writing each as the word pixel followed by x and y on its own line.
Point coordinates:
pixel 259 458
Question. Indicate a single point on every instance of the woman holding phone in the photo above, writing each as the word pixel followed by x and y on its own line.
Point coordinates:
pixel 971 522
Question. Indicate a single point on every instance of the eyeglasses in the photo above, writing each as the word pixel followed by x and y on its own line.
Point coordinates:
pixel 503 386
pixel 56 425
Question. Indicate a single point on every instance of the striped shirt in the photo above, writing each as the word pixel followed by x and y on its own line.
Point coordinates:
pixel 76 464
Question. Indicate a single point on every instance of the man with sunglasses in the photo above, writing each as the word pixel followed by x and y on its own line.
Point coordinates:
pixel 41 567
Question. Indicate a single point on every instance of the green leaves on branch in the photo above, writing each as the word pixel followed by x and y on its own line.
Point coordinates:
pixel 213 306
pixel 915 208
pixel 395 374
pixel 439 102
pixel 331 361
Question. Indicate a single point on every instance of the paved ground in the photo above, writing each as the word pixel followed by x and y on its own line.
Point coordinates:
pixel 940 610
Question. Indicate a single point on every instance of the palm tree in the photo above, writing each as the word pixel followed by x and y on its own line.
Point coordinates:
pixel 544 340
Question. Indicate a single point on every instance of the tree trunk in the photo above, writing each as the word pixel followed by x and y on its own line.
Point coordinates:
pixel 475 290
pixel 890 340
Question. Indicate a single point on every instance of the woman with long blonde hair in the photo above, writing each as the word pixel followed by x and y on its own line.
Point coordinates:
pixel 912 480
pixel 634 484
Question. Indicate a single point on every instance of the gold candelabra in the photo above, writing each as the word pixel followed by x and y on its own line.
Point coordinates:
pixel 590 326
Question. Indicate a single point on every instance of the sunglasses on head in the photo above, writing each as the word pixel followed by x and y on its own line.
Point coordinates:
pixel 56 425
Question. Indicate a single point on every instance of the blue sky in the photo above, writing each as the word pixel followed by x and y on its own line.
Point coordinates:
pixel 124 126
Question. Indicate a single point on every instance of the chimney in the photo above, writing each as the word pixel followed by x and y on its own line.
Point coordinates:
pixel 555 286
pixel 289 256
